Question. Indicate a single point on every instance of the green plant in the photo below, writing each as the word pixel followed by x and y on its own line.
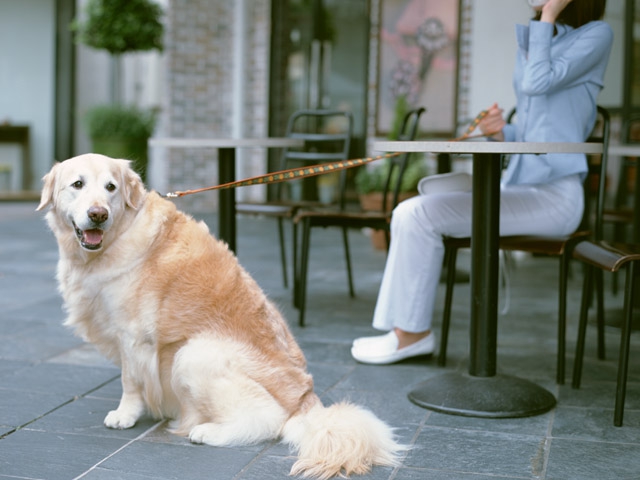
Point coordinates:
pixel 118 121
pixel 369 180
pixel 400 110
pixel 121 132
pixel 121 26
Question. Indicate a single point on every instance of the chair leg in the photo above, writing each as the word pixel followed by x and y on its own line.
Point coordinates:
pixel 283 252
pixel 304 262
pixel 347 259
pixel 562 318
pixel 296 264
pixel 582 326
pixel 599 278
pixel 618 236
pixel 450 255
pixel 625 335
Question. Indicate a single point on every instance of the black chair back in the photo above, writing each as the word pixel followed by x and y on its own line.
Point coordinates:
pixel 597 170
pixel 398 164
pixel 326 135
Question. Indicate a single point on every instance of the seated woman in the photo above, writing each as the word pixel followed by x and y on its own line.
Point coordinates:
pixel 560 66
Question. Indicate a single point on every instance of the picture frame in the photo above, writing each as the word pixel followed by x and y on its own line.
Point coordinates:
pixel 418 64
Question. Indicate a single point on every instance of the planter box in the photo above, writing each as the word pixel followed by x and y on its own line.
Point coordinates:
pixel 373 201
pixel 128 149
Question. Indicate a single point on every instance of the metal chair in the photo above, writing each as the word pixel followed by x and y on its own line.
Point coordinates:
pixel 609 257
pixel 327 138
pixel 345 219
pixel 560 247
pixel 620 215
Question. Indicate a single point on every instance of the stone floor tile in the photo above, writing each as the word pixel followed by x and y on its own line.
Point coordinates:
pixel 588 460
pixel 53 456
pixel 168 461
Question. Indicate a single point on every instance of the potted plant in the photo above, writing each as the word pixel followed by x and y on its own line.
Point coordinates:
pixel 370 185
pixel 120 27
pixel 121 132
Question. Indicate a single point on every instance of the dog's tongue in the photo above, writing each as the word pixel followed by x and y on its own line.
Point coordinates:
pixel 92 237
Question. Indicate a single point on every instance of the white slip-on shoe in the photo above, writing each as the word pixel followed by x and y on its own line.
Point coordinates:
pixel 385 351
pixel 390 336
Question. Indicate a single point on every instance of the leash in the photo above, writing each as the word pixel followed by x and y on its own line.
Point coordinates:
pixel 284 175
pixel 313 170
pixel 476 121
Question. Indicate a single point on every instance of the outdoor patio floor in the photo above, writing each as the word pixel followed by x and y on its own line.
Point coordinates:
pixel 55 390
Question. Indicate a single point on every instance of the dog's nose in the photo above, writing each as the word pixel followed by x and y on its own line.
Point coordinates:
pixel 98 214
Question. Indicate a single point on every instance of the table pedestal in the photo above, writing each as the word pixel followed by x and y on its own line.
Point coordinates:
pixel 482 393
pixel 227 197
pixel 500 396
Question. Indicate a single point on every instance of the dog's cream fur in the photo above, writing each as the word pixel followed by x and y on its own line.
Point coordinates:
pixel 197 340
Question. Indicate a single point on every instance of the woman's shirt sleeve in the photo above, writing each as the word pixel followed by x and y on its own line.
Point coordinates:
pixel 546 71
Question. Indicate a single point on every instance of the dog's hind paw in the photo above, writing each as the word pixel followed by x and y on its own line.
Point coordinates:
pixel 117 420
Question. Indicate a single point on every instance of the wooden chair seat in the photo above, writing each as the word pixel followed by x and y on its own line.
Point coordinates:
pixel 528 243
pixel 376 219
pixel 282 208
pixel 609 256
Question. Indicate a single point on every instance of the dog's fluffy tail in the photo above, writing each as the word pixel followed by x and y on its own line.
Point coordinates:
pixel 340 440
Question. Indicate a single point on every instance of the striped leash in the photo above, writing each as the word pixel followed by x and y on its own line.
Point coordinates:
pixel 313 170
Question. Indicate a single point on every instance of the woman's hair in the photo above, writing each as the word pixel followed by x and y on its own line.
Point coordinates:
pixel 580 12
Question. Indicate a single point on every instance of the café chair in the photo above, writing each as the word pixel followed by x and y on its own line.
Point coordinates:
pixel 610 257
pixel 560 247
pixel 344 219
pixel 620 215
pixel 327 138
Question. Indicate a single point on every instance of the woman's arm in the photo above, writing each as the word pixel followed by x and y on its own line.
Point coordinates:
pixel 545 74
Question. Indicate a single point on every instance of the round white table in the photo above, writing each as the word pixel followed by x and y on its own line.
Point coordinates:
pixel 482 392
pixel 226 170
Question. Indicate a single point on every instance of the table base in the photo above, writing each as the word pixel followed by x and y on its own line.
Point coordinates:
pixel 500 396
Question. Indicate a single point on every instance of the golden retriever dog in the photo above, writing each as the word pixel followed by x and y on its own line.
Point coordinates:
pixel 196 338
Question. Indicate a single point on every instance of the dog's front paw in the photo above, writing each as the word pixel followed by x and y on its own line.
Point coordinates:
pixel 118 420
pixel 204 433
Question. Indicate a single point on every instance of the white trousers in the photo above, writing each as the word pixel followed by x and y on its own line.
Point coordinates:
pixel 414 263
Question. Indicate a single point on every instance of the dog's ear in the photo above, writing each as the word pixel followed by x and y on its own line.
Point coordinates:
pixel 48 188
pixel 133 187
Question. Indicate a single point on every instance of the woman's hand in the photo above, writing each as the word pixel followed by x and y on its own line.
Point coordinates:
pixel 493 123
pixel 552 9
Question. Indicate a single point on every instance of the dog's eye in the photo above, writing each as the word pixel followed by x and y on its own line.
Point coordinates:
pixel 77 184
pixel 111 187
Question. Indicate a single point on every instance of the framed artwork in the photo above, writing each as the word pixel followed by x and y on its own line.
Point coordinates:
pixel 418 63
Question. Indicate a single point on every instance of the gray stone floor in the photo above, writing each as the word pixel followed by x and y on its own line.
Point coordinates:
pixel 55 391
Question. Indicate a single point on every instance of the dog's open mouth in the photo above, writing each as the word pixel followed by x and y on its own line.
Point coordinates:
pixel 90 239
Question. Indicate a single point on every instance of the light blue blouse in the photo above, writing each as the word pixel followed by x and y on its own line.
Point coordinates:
pixel 556 79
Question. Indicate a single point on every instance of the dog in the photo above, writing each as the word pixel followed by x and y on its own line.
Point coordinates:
pixel 197 340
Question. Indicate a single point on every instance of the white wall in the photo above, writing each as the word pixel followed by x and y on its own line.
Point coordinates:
pixel 493 51
pixel 27 72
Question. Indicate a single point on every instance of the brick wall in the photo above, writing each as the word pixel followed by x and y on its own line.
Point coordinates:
pixel 200 89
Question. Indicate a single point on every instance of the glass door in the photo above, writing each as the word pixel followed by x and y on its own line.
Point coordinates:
pixel 319 55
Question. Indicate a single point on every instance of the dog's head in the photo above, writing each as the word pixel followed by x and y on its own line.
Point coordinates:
pixel 88 194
